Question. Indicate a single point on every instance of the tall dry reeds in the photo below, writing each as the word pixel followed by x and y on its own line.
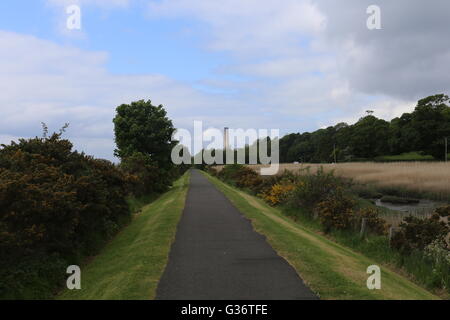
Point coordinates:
pixel 419 177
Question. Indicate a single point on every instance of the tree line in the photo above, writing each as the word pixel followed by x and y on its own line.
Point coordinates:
pixel 424 131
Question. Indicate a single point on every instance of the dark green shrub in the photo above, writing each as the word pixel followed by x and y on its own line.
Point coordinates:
pixel 231 173
pixel 374 223
pixel 147 178
pixel 212 171
pixel 443 211
pixel 56 206
pixel 336 211
pixel 416 234
pixel 312 189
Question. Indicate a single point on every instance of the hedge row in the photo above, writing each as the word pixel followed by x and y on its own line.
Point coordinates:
pixel 56 207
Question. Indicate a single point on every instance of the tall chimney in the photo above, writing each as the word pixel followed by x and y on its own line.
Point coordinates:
pixel 226 139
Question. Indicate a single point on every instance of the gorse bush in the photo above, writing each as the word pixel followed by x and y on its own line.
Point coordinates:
pixel 312 189
pixel 374 223
pixel 438 252
pixel 54 202
pixel 279 193
pixel 248 179
pixel 336 211
pixel 232 173
pixel 146 176
pixel 443 211
pixel 339 212
pixel 427 239
pixel 58 206
pixel 416 233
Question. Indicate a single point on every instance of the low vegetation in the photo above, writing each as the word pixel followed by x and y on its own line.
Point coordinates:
pixel 330 269
pixel 130 266
pixel 328 204
pixel 59 207
pixel 403 179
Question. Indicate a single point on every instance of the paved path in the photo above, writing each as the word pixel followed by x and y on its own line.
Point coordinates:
pixel 218 256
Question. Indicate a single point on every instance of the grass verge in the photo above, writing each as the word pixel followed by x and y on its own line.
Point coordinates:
pixel 130 266
pixel 332 270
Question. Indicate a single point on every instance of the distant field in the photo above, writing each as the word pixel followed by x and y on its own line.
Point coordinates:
pixel 422 177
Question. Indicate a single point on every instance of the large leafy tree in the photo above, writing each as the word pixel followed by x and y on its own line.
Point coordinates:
pixel 369 137
pixel 431 120
pixel 144 144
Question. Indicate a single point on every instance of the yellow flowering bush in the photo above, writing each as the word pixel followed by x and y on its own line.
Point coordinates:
pixel 278 193
pixel 336 212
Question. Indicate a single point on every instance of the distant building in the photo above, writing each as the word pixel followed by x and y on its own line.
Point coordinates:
pixel 226 138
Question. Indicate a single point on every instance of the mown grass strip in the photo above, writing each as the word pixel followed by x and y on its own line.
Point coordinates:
pixel 130 266
pixel 330 269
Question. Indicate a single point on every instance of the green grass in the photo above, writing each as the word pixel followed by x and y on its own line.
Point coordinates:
pixel 330 269
pixel 136 204
pixel 130 266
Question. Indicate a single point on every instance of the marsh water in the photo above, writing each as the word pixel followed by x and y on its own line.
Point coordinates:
pixel 423 207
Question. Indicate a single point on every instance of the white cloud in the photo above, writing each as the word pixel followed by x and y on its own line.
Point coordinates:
pixel 45 82
pixel 306 64
pixel 404 60
pixel 386 108
pixel 287 67
pixel 248 27
pixel 291 38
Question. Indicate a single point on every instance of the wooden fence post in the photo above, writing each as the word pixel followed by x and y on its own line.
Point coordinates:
pixel 391 235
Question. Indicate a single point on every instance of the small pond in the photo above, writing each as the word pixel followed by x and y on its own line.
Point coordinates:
pixel 423 207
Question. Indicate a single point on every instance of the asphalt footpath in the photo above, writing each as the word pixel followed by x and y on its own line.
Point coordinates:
pixel 218 256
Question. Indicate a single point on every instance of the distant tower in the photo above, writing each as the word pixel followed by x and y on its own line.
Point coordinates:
pixel 226 138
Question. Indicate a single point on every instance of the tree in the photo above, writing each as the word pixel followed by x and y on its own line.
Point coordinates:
pixel 431 119
pixel 144 128
pixel 144 144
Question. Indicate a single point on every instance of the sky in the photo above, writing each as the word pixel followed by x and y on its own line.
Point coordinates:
pixel 292 65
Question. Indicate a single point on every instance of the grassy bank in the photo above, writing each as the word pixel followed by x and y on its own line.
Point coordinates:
pixel 131 265
pixel 330 269
pixel 136 204
pixel 376 247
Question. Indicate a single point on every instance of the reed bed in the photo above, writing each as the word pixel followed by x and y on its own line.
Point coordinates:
pixel 428 178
